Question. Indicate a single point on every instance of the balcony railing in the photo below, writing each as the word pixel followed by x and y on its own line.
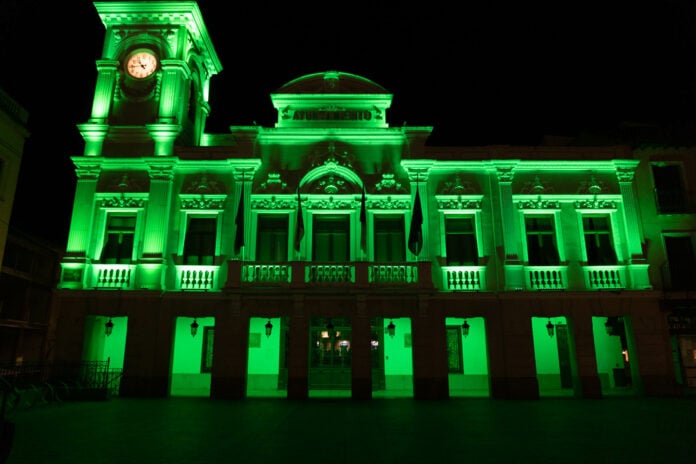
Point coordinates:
pixel 267 274
pixel 335 274
pixel 464 278
pixel 112 275
pixel 198 277
pixel 605 277
pixel 546 277
pixel 401 274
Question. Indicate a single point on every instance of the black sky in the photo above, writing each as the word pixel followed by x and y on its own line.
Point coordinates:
pixel 479 72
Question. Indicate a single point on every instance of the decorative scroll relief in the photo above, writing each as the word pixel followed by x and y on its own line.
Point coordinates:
pixel 625 175
pixel 273 184
pixel 122 200
pixel 456 186
pixel 453 202
pixel 538 203
pixel 274 203
pixel 595 203
pixel 192 201
pixel 537 187
pixel 388 203
pixel 329 203
pixel 389 184
pixel 203 184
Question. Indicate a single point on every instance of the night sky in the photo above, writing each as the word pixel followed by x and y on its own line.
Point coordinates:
pixel 481 74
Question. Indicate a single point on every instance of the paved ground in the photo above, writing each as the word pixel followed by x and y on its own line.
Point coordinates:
pixel 328 430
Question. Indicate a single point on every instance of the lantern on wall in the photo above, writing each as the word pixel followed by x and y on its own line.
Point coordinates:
pixel 465 328
pixel 108 327
pixel 269 328
pixel 391 329
pixel 194 327
pixel 550 328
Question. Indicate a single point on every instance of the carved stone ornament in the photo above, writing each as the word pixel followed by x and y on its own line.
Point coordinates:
pixel 592 187
pixel 457 202
pixel 202 201
pixel 537 186
pixel 273 184
pixel 329 203
pixel 274 203
pixel 455 186
pixel 203 184
pixel 505 174
pixel 594 203
pixel 538 203
pixel 388 203
pixel 122 201
pixel 389 184
pixel 330 184
pixel 625 175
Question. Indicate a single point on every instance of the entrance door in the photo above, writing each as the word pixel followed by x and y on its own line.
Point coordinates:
pixel 330 354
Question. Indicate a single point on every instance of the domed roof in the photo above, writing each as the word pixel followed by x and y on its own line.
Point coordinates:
pixel 331 82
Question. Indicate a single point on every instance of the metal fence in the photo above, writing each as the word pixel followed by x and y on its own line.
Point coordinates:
pixel 27 385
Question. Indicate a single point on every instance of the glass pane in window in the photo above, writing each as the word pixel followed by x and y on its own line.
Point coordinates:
pixel 199 247
pixel 390 244
pixel 272 238
pixel 330 241
pixel 460 242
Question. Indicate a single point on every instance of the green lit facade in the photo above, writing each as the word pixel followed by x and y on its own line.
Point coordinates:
pixel 297 254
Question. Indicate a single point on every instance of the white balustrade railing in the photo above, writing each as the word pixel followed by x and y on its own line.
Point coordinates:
pixel 113 275
pixel 464 278
pixel 605 277
pixel 266 273
pixel 546 277
pixel 198 277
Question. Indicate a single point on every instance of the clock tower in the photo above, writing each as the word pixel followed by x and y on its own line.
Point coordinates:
pixel 152 79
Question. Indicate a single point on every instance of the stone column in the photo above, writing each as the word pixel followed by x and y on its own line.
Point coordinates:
pixel 228 379
pixel 514 272
pixel 80 235
pixel 587 383
pixel 637 263
pixel 157 223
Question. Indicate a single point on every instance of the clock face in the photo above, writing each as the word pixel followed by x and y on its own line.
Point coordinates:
pixel 141 64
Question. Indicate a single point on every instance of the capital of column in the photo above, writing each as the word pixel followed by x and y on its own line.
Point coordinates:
pixel 161 171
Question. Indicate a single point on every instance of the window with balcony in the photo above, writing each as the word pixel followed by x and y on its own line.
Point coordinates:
pixel 120 233
pixel 331 238
pixel 272 238
pixel 681 263
pixel 389 241
pixel 460 241
pixel 199 246
pixel 598 241
pixel 541 241
pixel 670 194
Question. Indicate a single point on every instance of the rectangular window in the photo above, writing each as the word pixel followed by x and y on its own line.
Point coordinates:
pixel 541 241
pixel 390 242
pixel 681 263
pixel 272 238
pixel 670 194
pixel 460 241
pixel 120 234
pixel 598 241
pixel 199 247
pixel 330 241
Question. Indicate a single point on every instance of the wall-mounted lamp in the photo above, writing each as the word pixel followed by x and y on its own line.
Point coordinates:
pixel 465 328
pixel 550 328
pixel 108 327
pixel 269 328
pixel 609 327
pixel 330 328
pixel 194 327
pixel 391 329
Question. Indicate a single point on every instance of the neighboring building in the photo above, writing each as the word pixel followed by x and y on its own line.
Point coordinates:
pixel 30 272
pixel 334 254
pixel 30 268
pixel 13 134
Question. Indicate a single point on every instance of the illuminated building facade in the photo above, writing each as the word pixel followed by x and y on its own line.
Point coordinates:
pixel 333 254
